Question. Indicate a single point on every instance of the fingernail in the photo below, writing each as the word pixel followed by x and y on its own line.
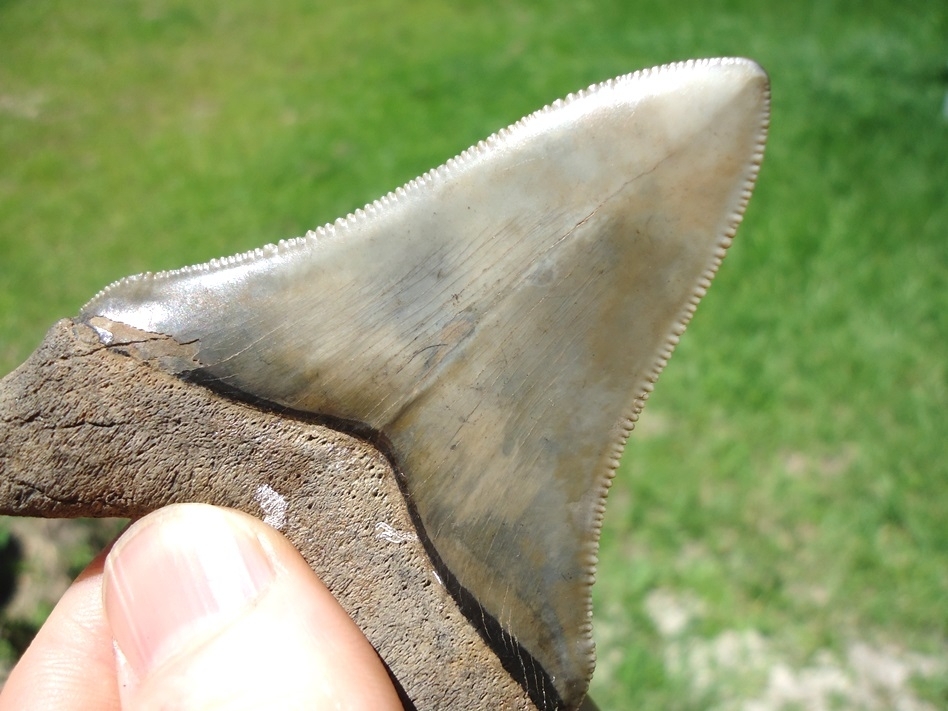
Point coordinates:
pixel 177 575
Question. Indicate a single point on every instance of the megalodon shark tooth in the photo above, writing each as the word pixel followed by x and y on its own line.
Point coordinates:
pixel 499 322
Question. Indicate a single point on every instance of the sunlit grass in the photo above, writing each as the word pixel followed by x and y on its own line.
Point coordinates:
pixel 789 473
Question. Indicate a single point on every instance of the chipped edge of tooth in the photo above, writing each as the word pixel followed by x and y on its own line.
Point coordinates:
pixel 441 172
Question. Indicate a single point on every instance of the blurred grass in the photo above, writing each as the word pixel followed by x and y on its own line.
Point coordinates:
pixel 790 470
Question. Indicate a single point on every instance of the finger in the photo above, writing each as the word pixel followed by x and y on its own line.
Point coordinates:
pixel 213 609
pixel 70 663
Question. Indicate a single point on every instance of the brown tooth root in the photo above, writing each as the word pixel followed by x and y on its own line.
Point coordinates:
pixel 88 430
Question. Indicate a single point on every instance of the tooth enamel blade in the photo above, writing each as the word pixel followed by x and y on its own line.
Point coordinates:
pixel 501 320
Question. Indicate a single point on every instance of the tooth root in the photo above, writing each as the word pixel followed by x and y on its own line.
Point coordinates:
pixel 127 438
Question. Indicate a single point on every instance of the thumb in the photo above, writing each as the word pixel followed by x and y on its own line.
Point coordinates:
pixel 210 608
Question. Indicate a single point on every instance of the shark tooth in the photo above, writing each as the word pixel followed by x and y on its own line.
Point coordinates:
pixel 500 321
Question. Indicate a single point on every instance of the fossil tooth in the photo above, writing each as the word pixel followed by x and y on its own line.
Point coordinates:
pixel 501 321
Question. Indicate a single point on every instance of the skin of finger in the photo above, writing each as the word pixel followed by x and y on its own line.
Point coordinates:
pixel 71 663
pixel 292 648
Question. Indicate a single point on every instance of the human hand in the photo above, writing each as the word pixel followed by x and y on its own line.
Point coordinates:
pixel 199 607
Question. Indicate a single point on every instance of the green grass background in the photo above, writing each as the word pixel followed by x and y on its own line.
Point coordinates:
pixel 791 466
